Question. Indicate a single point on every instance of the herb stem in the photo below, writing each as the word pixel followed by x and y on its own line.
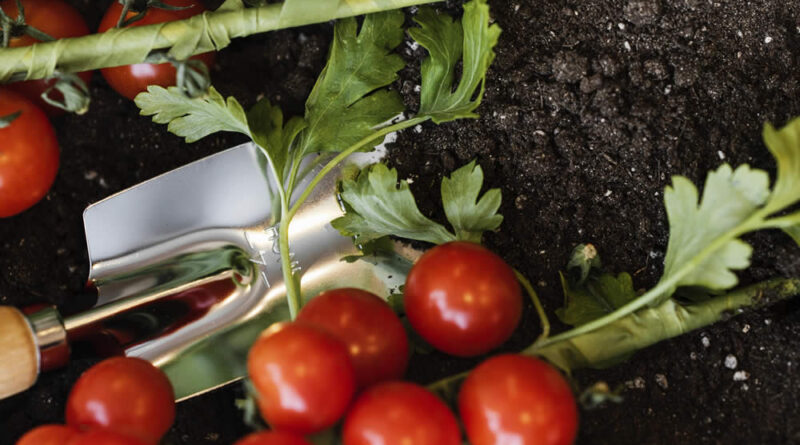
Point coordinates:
pixel 292 290
pixel 350 150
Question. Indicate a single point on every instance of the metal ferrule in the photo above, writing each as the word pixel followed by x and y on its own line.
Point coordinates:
pixel 51 338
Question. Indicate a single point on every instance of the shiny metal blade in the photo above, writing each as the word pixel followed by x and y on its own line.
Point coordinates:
pixel 188 270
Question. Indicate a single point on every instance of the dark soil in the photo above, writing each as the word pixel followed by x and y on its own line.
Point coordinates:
pixel 590 108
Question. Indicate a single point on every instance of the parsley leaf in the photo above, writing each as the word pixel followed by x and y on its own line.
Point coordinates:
pixel 376 206
pixel 270 133
pixel 590 293
pixel 344 107
pixel 730 198
pixel 469 215
pixel 379 207
pixel 597 296
pixel 447 42
pixel 192 119
pixel 784 144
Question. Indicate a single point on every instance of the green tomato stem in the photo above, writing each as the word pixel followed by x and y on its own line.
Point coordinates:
pixel 537 304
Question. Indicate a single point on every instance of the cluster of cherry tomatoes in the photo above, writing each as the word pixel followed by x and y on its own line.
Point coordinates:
pixel 343 355
pixel 342 360
pixel 29 154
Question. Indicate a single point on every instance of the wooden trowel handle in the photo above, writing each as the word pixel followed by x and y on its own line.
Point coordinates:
pixel 27 345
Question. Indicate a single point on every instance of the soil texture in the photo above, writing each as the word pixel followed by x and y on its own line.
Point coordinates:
pixel 590 108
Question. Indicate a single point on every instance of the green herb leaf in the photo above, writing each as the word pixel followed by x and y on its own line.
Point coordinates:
pixel 267 129
pixel 380 207
pixel 794 232
pixel 730 200
pixel 447 41
pixel 597 296
pixel 470 216
pixel 192 119
pixel 784 144
pixel 344 106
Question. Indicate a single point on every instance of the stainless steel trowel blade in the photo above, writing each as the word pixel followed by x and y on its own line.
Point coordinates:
pixel 187 268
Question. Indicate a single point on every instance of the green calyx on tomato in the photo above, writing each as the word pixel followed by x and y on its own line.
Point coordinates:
pixel 6 120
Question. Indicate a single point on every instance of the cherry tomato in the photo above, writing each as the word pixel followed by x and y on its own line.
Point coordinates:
pixel 104 437
pixel 303 375
pixel 131 80
pixel 125 395
pixel 28 155
pixel 48 435
pixel 272 438
pixel 399 413
pixel 463 299
pixel 374 336
pixel 516 399
pixel 56 19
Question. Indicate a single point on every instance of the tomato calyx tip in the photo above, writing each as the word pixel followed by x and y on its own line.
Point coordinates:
pixel 5 121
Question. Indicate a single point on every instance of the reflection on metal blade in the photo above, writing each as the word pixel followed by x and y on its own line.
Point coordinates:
pixel 188 271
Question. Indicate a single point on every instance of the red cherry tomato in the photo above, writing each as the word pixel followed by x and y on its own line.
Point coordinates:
pixel 125 395
pixel 28 155
pixel 303 375
pixel 399 413
pixel 374 336
pixel 104 437
pixel 272 438
pixel 516 399
pixel 131 80
pixel 56 19
pixel 463 299
pixel 48 435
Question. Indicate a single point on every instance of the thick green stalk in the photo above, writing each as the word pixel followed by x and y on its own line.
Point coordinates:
pixel 210 31
pixel 652 325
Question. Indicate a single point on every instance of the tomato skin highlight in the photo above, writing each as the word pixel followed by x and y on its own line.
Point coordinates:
pixel 516 399
pixel 400 413
pixel 272 438
pixel 303 376
pixel 463 299
pixel 28 155
pixel 124 395
pixel 131 80
pixel 56 19
pixel 104 437
pixel 48 435
pixel 367 325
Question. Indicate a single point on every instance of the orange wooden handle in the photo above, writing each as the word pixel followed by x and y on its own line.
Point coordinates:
pixel 19 355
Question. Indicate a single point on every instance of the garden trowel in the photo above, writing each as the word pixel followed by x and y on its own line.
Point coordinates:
pixel 187 273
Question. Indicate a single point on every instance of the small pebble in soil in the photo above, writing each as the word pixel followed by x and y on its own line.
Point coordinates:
pixel 740 376
pixel 705 341
pixel 768 321
pixel 693 355
pixel 661 380
pixel 746 328
pixel 731 362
